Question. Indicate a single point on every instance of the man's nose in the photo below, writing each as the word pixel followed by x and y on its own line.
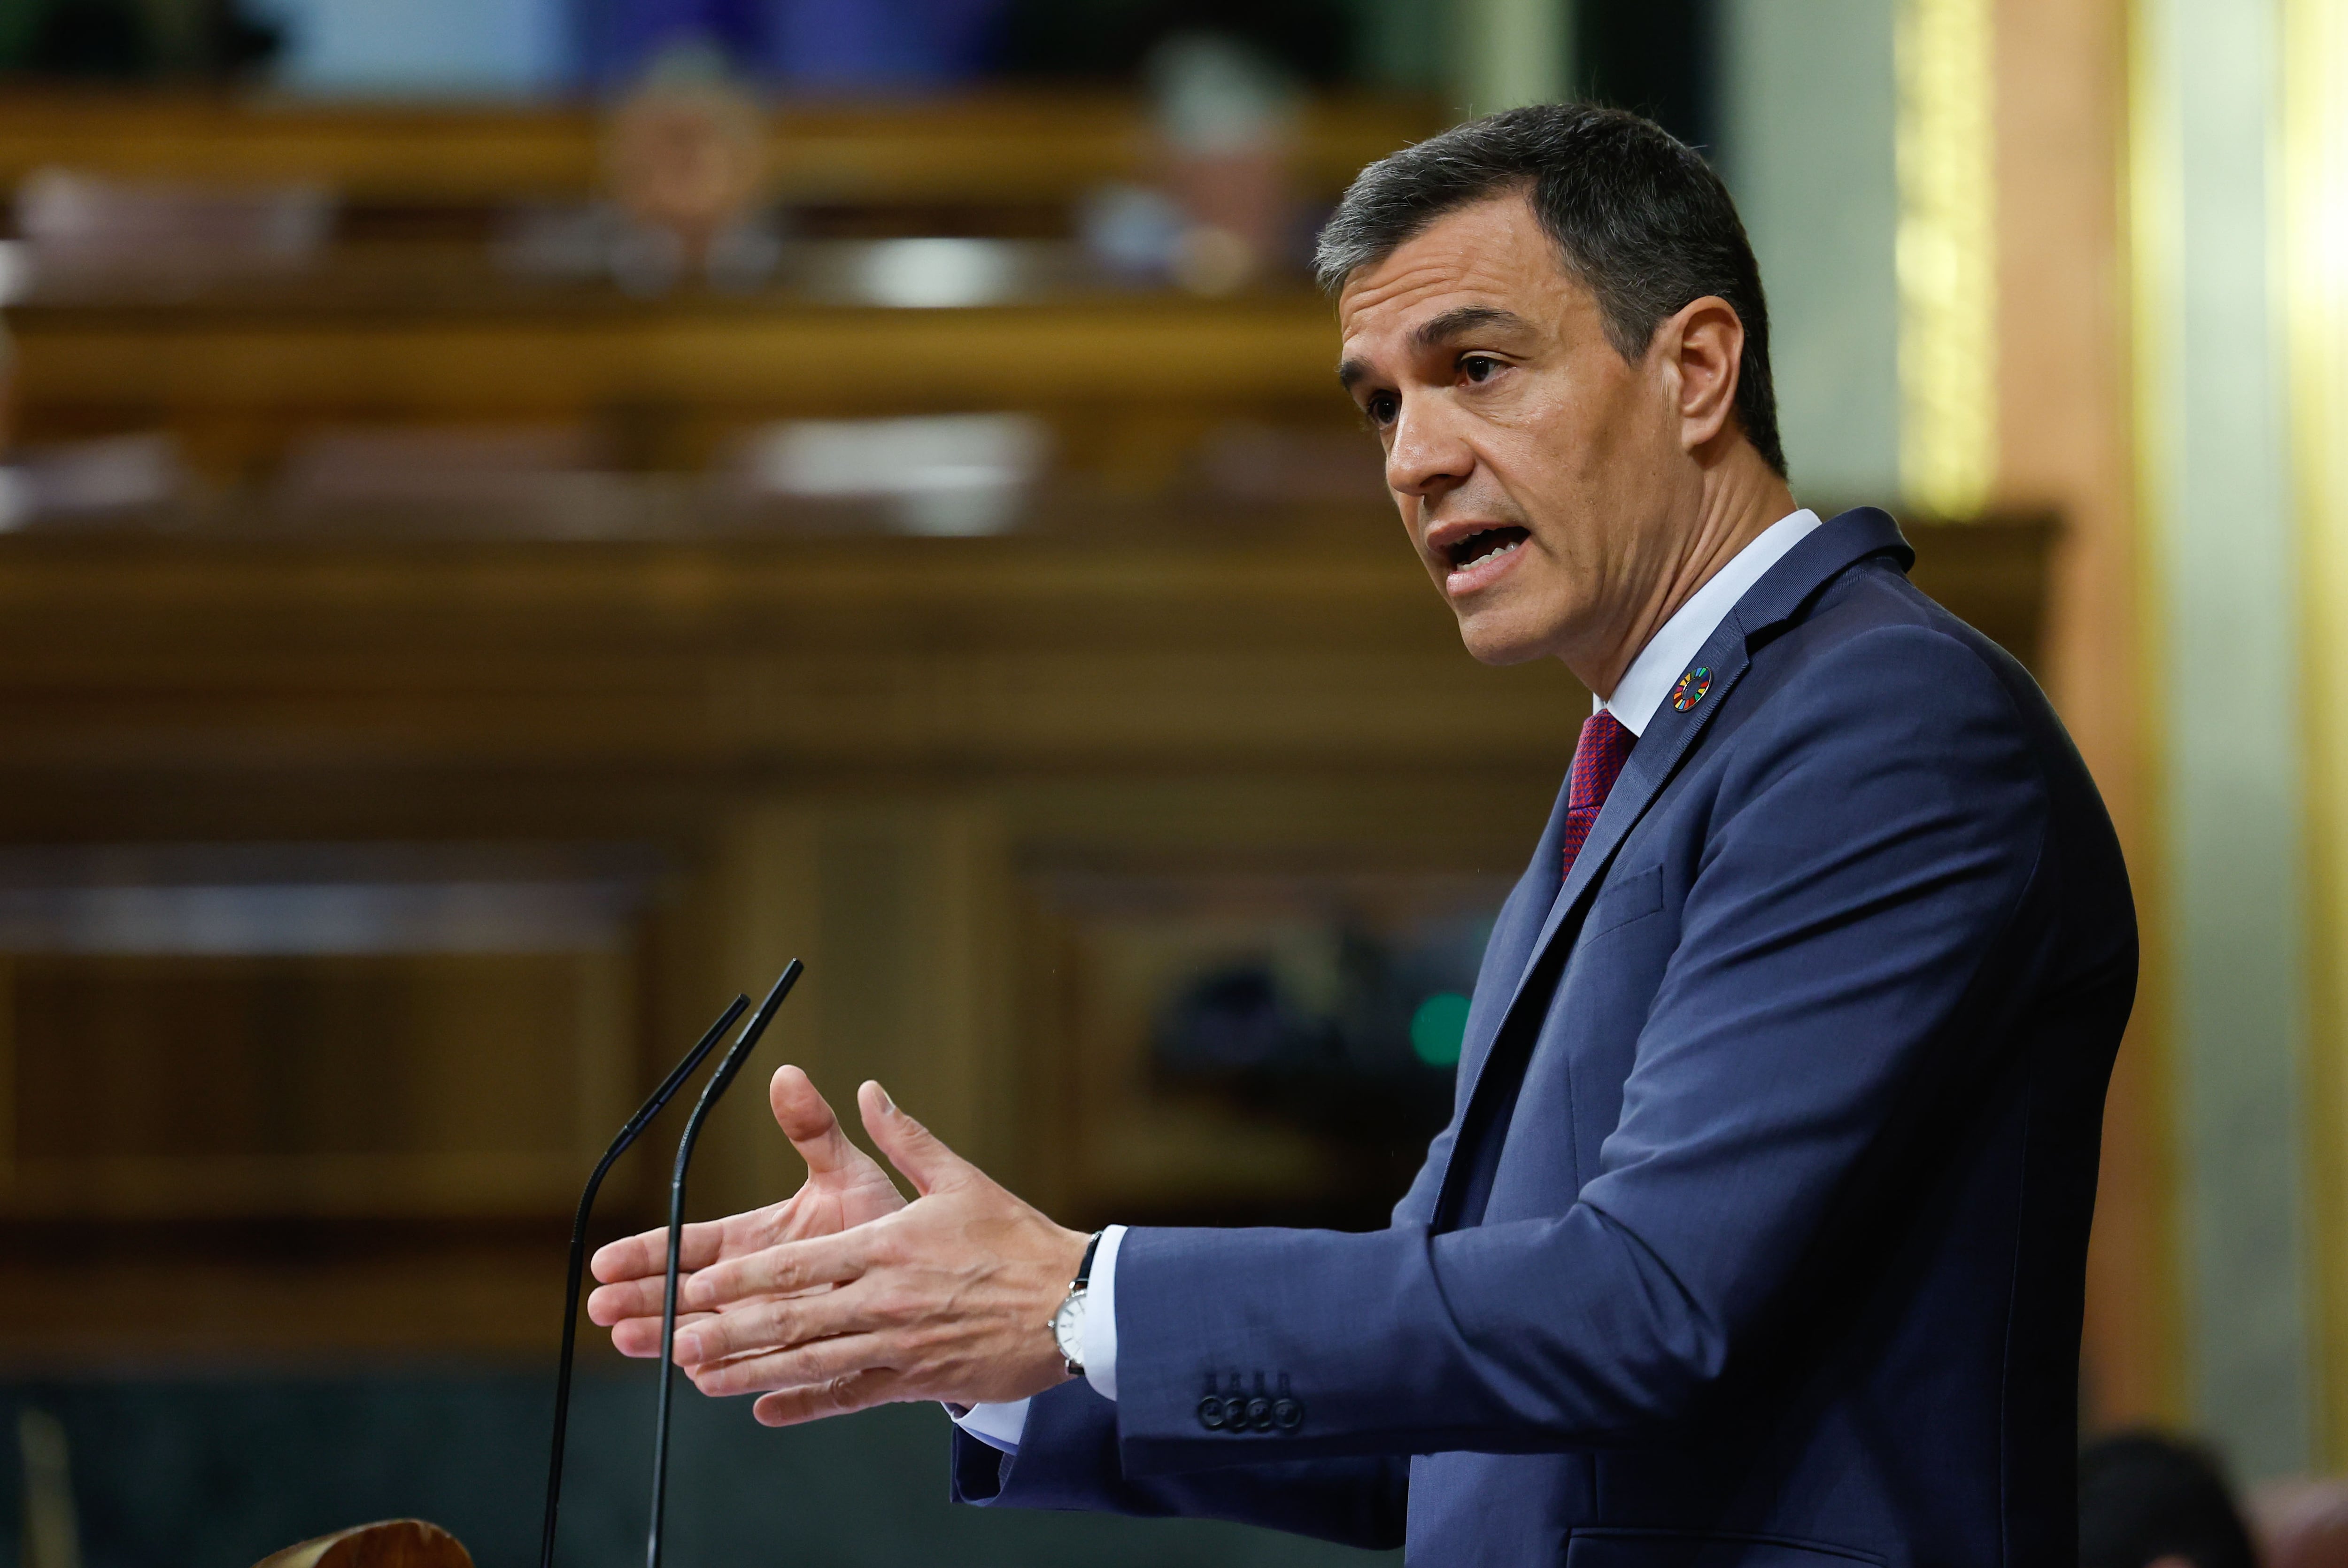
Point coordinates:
pixel 1428 454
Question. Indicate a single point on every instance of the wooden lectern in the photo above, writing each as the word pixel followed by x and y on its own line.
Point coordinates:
pixel 394 1544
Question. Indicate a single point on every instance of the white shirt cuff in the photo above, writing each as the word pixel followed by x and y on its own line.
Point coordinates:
pixel 996 1426
pixel 1000 1426
pixel 1100 1316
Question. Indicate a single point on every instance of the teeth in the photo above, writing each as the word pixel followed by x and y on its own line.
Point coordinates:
pixel 1484 546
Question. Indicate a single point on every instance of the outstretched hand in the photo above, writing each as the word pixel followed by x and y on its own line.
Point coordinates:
pixel 836 1306
pixel 846 1295
pixel 844 1189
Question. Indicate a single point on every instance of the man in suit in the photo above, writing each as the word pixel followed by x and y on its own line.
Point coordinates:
pixel 1758 1234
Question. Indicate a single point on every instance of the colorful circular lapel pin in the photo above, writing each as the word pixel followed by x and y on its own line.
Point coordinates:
pixel 1691 688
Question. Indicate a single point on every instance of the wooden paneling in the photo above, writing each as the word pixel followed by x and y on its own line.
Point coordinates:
pixel 775 361
pixel 177 1085
pixel 1127 382
pixel 1007 652
pixel 889 653
pixel 886 756
pixel 85 1296
pixel 891 756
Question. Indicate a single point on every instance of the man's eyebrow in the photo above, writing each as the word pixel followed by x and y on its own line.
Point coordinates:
pixel 1350 374
pixel 1451 324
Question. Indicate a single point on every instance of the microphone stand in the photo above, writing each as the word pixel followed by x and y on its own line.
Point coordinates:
pixel 718 1082
pixel 628 1135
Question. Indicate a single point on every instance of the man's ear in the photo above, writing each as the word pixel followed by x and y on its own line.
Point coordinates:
pixel 1705 341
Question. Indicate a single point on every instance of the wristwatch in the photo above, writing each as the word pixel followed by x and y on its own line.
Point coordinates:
pixel 1068 1325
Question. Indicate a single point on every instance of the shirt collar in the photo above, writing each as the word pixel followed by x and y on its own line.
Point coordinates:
pixel 1649 679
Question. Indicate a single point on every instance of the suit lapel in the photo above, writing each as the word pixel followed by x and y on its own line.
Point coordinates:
pixel 1669 736
pixel 1650 766
pixel 1514 937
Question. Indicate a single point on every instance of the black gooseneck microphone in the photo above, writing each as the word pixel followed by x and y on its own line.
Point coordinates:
pixel 628 1135
pixel 718 1082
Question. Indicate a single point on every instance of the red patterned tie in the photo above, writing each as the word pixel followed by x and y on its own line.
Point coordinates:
pixel 1598 757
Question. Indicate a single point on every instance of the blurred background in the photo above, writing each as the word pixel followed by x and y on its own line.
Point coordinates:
pixel 519 516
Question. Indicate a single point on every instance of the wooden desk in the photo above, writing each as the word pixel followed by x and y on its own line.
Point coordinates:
pixel 999 147
pixel 1127 378
pixel 427 329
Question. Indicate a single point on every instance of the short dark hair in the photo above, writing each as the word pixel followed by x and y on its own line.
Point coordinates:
pixel 1637 215
pixel 2143 1497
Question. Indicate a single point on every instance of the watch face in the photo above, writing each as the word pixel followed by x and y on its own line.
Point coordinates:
pixel 1068 1326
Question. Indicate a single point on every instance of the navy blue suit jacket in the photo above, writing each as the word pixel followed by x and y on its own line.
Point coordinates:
pixel 1758 1234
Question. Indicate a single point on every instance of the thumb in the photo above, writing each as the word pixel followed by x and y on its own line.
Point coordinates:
pixel 807 1121
pixel 912 1148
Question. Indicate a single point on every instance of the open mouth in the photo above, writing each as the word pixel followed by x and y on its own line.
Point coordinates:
pixel 1484 545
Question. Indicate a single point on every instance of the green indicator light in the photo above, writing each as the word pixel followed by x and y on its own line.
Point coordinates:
pixel 1437 1027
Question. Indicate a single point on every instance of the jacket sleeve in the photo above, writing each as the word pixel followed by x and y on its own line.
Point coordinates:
pixel 1068 1460
pixel 1874 834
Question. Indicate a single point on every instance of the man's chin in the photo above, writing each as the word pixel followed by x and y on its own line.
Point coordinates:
pixel 1496 644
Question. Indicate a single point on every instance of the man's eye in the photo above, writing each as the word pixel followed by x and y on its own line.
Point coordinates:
pixel 1382 408
pixel 1479 367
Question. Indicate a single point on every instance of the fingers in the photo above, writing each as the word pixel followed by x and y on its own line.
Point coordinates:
pixel 770 1324
pixel 912 1148
pixel 640 1336
pixel 611 1304
pixel 786 1270
pixel 805 1365
pixel 807 1120
pixel 791 1268
pixel 840 1397
pixel 646 1255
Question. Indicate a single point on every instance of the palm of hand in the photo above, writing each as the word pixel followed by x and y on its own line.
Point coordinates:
pixel 857 1192
pixel 830 1201
pixel 844 1189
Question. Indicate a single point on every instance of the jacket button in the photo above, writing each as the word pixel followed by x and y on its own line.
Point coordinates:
pixel 1287 1414
pixel 1211 1413
pixel 1259 1413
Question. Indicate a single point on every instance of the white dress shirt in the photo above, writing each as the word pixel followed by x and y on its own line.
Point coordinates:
pixel 1673 647
pixel 1636 697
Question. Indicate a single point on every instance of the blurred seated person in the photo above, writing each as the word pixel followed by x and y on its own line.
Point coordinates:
pixel 2149 1501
